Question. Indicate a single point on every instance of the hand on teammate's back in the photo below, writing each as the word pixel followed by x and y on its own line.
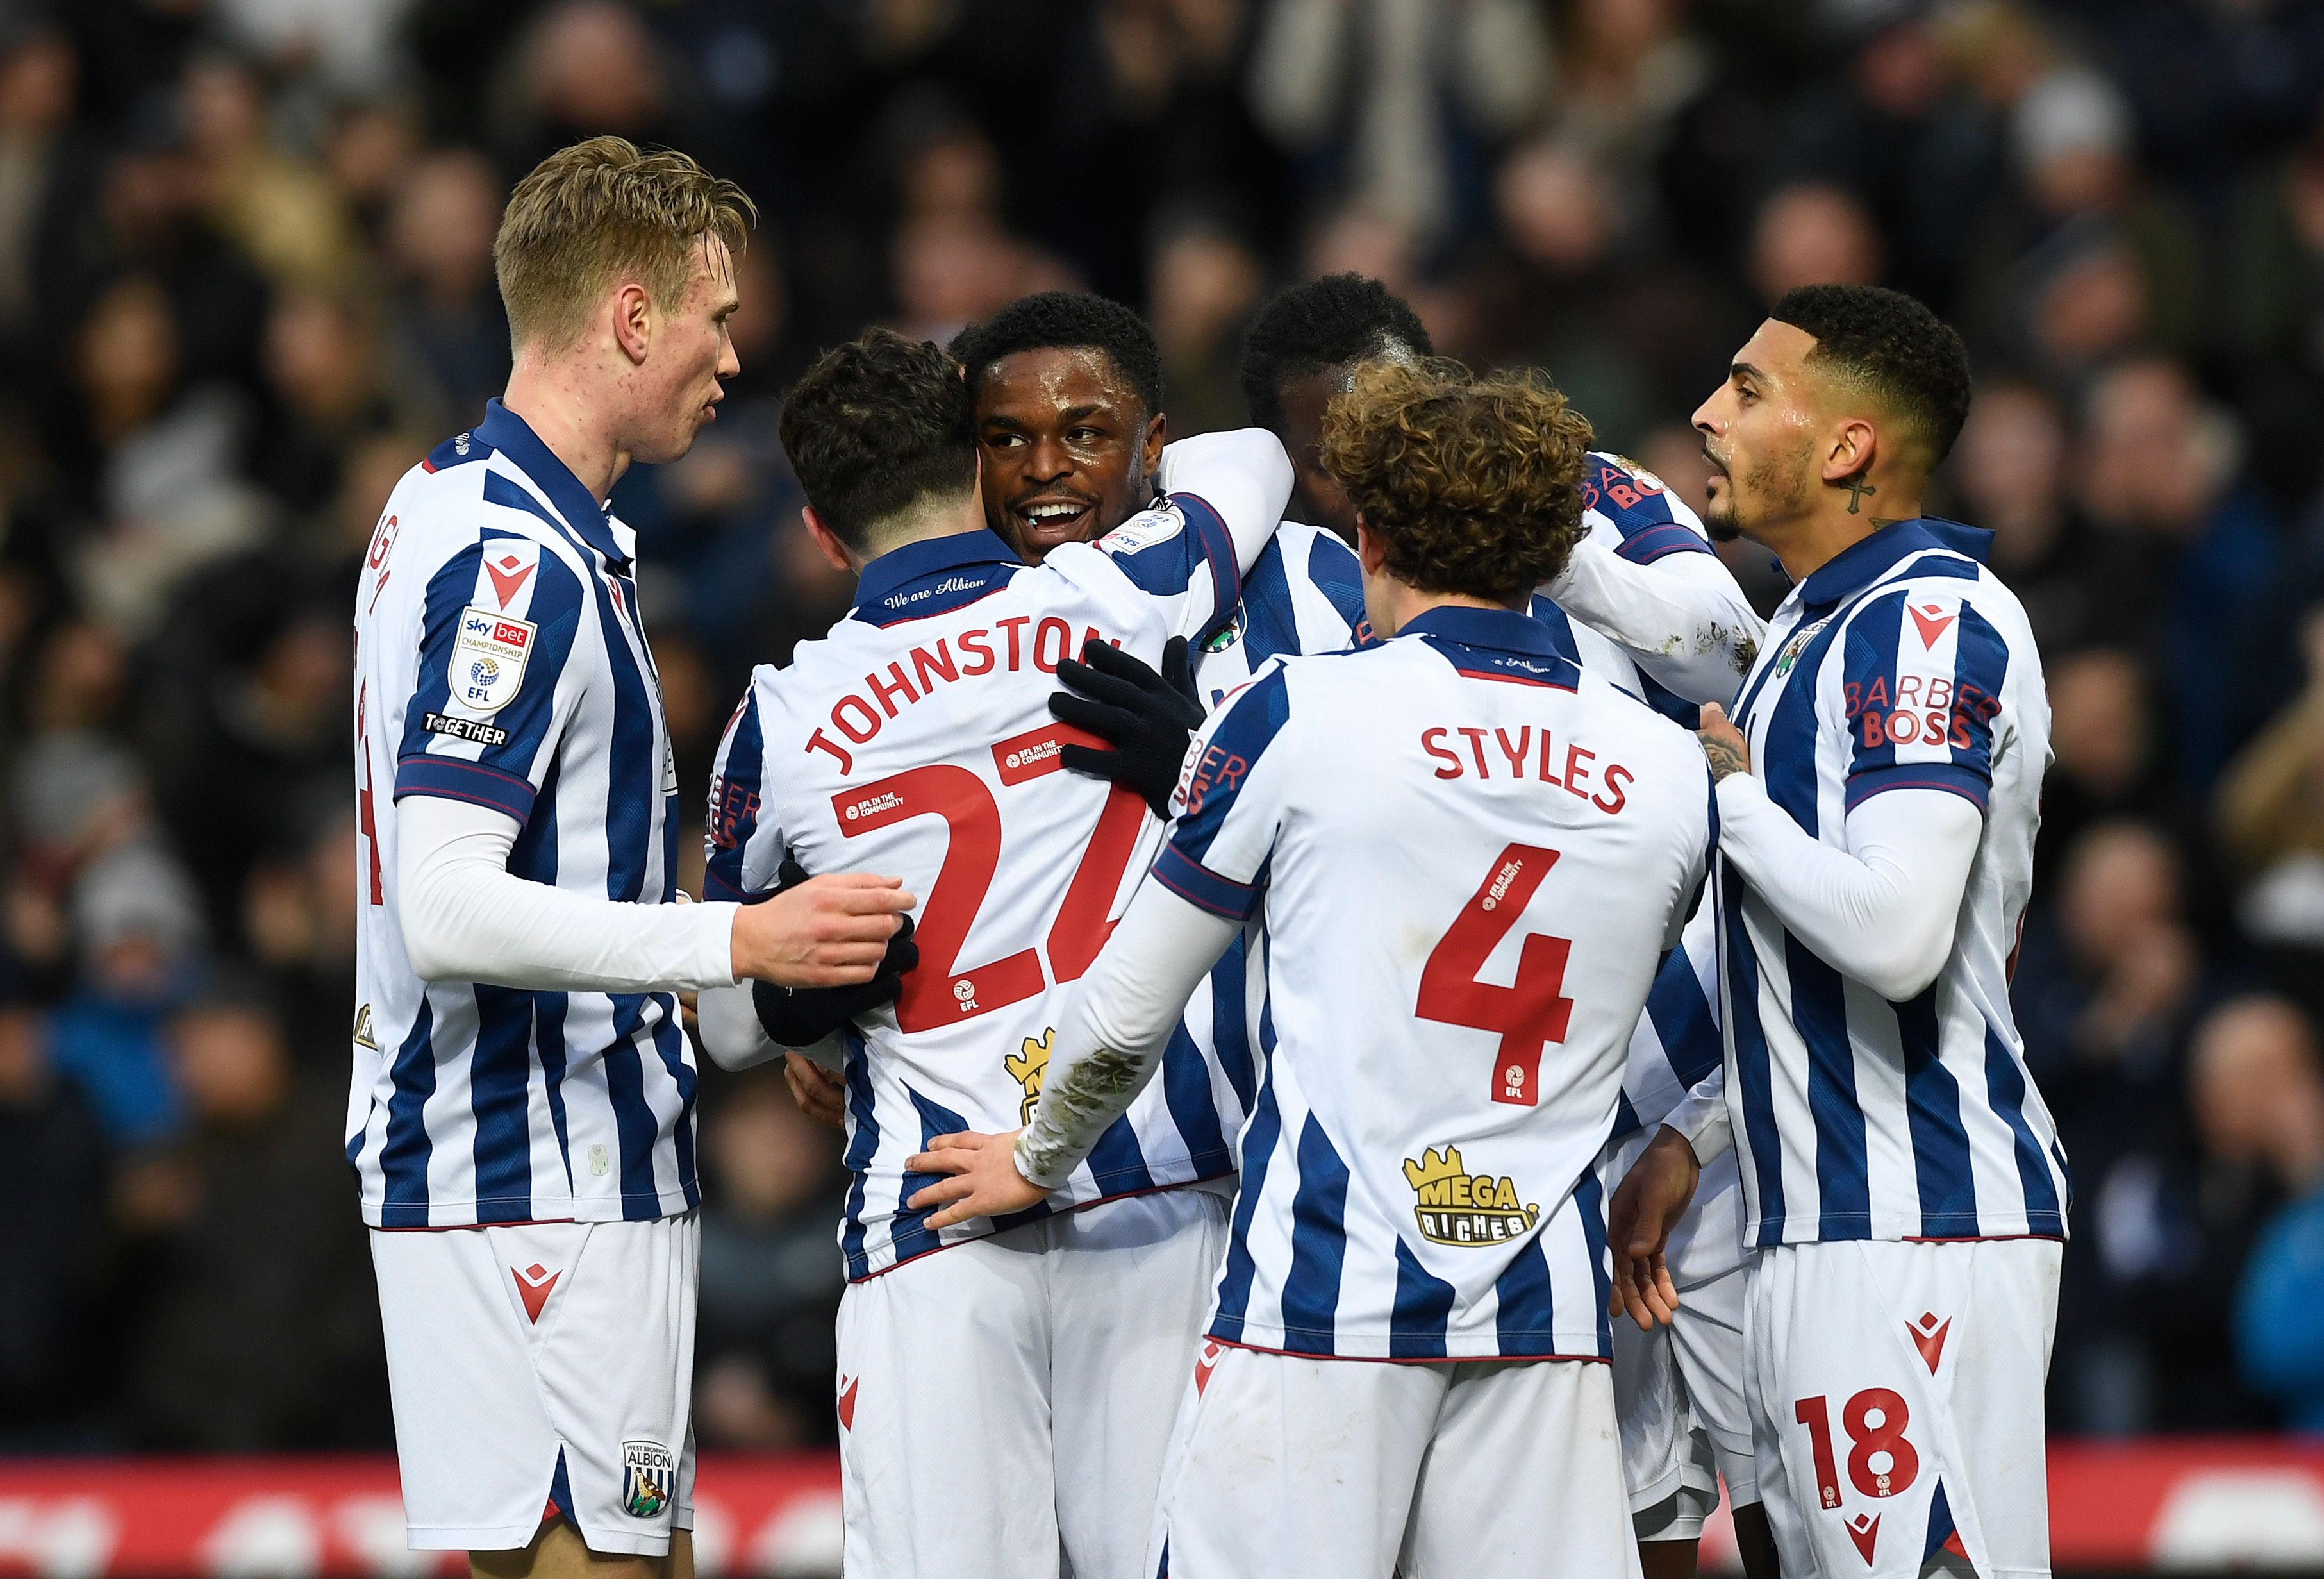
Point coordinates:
pixel 815 1089
pixel 799 1017
pixel 1647 1206
pixel 830 931
pixel 1147 716
pixel 981 1178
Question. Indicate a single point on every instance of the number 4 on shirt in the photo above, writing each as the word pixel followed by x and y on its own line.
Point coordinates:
pixel 1528 1014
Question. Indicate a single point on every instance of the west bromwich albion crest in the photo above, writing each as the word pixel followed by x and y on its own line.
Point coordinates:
pixel 488 659
pixel 649 1479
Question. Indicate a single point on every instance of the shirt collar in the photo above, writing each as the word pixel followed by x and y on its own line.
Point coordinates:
pixel 1868 560
pixel 929 556
pixel 514 437
pixel 1506 630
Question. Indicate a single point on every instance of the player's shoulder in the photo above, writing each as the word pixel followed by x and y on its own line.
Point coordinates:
pixel 1622 497
pixel 460 495
pixel 1928 590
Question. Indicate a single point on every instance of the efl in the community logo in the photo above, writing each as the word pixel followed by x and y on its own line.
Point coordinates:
pixel 649 1479
pixel 1456 1207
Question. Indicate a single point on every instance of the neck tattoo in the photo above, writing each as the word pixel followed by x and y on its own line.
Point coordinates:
pixel 1856 488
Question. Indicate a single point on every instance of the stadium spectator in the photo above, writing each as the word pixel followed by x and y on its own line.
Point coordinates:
pixel 245 281
pixel 765 1347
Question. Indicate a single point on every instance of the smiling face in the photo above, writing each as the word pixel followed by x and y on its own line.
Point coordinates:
pixel 1760 432
pixel 1069 451
pixel 689 356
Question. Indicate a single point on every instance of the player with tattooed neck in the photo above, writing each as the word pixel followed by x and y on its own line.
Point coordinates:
pixel 1878 794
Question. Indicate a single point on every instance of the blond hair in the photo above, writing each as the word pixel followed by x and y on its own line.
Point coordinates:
pixel 601 211
pixel 1471 481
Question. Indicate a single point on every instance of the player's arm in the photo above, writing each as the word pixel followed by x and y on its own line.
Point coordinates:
pixel 1881 910
pixel 1123 1010
pixel 466 918
pixel 1652 584
pixel 1109 1042
pixel 1244 476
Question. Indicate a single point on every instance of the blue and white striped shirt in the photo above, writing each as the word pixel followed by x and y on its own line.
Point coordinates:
pixel 500 660
pixel 1415 826
pixel 1903 663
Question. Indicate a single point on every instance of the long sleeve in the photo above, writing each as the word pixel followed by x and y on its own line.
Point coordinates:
pixel 1243 475
pixel 1882 911
pixel 730 1032
pixel 1681 615
pixel 465 919
pixel 1701 1118
pixel 1111 1035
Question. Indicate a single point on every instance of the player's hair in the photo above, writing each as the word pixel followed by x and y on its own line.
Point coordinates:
pixel 878 428
pixel 1894 349
pixel 1471 481
pixel 1065 320
pixel 601 211
pixel 1319 326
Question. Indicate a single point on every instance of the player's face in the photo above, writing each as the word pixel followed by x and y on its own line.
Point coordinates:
pixel 1759 431
pixel 1321 500
pixel 1069 449
pixel 689 357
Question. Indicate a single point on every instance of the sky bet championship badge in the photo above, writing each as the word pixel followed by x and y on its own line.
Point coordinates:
pixel 649 1479
pixel 488 659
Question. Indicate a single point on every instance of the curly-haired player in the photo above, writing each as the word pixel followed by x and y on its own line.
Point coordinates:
pixel 1404 1366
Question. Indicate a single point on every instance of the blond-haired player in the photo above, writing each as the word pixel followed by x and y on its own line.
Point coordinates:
pixel 521 1117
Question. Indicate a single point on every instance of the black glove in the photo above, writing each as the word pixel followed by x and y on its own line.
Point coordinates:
pixel 802 1016
pixel 1146 717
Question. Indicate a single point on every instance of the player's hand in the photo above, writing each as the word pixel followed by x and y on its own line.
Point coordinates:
pixel 829 931
pixel 1722 743
pixel 982 1178
pixel 1647 1206
pixel 815 1089
pixel 1147 716
pixel 800 1017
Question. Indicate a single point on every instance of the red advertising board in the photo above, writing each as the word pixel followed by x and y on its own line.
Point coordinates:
pixel 2179 1504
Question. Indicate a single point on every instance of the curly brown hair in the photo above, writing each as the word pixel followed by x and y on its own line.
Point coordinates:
pixel 1472 481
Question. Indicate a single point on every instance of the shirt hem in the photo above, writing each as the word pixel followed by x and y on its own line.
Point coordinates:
pixel 612 1209
pixel 922 1255
pixel 1560 1352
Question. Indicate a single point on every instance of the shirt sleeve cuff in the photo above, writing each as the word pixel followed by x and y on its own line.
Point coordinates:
pixel 1200 886
pixel 1969 783
pixel 1700 1119
pixel 457 778
pixel 710 959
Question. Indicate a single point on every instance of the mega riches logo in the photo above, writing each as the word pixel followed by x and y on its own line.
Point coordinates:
pixel 1454 1206
pixel 1028 1068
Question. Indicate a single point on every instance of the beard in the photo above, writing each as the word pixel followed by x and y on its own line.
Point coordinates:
pixel 1766 494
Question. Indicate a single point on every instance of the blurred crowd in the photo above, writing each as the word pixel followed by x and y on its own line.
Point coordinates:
pixel 246 281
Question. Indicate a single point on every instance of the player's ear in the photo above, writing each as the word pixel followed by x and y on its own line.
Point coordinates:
pixel 1158 433
pixel 1370 553
pixel 828 542
pixel 1852 451
pixel 634 319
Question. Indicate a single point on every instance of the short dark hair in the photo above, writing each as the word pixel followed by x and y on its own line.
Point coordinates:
pixel 877 426
pixel 1065 320
pixel 1893 348
pixel 1318 326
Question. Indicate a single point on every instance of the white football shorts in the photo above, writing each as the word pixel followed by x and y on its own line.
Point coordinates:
pixel 1678 1393
pixel 539 1364
pixel 1300 1468
pixel 1895 1394
pixel 1007 1399
pixel 1678 1390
